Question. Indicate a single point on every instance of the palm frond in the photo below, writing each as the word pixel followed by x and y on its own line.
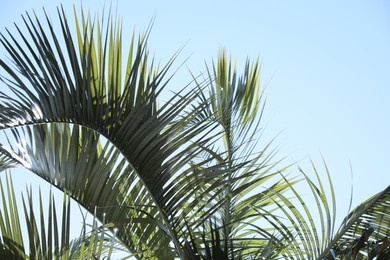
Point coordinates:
pixel 234 105
pixel 293 224
pixel 12 245
pixel 100 179
pixel 364 232
pixel 44 239
pixel 57 81
pixel 186 178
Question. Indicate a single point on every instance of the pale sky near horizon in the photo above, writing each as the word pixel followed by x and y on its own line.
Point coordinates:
pixel 325 65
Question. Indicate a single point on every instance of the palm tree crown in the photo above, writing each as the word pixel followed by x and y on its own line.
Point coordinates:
pixel 185 178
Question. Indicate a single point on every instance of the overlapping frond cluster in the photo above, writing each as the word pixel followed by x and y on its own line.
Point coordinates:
pixel 67 92
pixel 365 232
pixel 234 105
pixel 46 240
pixel 187 178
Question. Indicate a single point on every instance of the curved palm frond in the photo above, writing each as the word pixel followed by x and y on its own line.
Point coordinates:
pixel 364 232
pixel 99 178
pixel 57 82
pixel 306 233
pixel 307 229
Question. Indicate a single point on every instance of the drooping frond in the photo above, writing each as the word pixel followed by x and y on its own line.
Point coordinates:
pixel 76 159
pixel 365 232
pixel 57 78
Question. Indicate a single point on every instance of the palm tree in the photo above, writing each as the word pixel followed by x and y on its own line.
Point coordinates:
pixel 180 179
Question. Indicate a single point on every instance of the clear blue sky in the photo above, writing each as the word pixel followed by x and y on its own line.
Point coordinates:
pixel 325 64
